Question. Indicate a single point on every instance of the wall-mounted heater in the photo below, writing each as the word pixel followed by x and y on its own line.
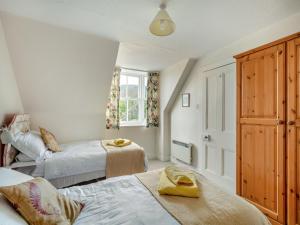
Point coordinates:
pixel 182 151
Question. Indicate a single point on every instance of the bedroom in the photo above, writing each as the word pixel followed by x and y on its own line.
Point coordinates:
pixel 189 99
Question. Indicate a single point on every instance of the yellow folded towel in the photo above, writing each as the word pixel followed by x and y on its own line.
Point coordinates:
pixel 179 176
pixel 119 141
pixel 123 143
pixel 167 187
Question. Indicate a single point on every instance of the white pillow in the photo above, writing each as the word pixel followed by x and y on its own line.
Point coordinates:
pixel 31 144
pixel 7 213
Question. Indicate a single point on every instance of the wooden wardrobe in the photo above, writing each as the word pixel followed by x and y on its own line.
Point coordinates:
pixel 268 129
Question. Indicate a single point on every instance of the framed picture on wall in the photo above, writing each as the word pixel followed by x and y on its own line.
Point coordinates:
pixel 185 100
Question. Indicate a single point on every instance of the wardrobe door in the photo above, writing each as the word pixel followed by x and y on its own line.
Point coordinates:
pixel 293 128
pixel 261 130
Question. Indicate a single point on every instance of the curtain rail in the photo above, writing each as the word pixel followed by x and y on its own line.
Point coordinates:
pixel 126 68
pixel 144 71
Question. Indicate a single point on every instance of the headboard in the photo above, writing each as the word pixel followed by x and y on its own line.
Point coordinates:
pixel 6 121
pixel 18 123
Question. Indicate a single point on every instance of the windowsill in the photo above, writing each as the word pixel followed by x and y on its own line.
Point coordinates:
pixel 132 125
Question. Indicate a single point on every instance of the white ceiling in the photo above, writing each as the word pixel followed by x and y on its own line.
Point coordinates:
pixel 201 25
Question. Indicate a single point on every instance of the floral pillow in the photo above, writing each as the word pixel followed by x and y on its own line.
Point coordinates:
pixel 50 140
pixel 40 203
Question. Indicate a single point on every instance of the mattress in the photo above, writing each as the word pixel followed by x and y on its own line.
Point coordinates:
pixel 76 158
pixel 63 181
pixel 76 179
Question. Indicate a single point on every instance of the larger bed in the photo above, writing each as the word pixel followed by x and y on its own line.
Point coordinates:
pixel 129 200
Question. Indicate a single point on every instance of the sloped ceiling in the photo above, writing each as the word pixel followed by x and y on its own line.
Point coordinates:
pixel 202 25
pixel 63 76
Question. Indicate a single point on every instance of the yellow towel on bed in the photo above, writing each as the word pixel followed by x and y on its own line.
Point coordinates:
pixel 180 176
pixel 167 187
pixel 119 142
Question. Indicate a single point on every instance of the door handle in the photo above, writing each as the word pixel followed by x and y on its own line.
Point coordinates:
pixel 206 137
pixel 290 122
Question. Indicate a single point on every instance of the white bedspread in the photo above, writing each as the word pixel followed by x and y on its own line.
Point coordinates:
pixel 118 201
pixel 76 158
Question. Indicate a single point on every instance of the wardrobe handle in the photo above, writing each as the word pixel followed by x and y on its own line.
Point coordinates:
pixel 280 122
pixel 291 122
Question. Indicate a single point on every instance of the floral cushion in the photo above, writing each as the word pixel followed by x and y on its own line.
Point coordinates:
pixel 40 203
pixel 49 140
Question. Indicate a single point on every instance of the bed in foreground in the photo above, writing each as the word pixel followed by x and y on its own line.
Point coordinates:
pixel 133 200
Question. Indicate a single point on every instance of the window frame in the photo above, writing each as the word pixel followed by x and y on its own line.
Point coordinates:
pixel 141 98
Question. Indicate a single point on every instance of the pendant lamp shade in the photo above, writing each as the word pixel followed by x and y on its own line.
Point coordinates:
pixel 162 24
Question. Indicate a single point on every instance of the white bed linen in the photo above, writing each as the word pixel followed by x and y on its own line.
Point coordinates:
pixel 76 179
pixel 76 158
pixel 120 200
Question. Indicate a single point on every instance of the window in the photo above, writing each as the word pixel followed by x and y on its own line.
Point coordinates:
pixel 133 97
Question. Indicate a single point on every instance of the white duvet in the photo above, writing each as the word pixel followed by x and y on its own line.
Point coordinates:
pixel 76 158
pixel 118 201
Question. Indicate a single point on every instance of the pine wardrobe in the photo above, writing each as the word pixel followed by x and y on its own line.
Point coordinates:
pixel 268 129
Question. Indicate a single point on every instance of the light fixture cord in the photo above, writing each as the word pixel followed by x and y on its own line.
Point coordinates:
pixel 162 6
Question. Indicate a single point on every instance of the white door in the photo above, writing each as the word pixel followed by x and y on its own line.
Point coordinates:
pixel 218 136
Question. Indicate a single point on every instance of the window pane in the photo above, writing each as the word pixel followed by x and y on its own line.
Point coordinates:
pixel 123 80
pixel 145 87
pixel 133 87
pixel 123 84
pixel 133 80
pixel 133 110
pixel 123 110
pixel 123 91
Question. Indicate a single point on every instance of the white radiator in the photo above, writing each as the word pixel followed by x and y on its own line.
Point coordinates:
pixel 182 151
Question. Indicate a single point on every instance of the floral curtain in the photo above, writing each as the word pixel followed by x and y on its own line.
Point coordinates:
pixel 153 100
pixel 112 109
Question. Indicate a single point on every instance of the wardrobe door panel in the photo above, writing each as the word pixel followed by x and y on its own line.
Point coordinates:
pixel 259 144
pixel 261 130
pixel 293 126
pixel 259 80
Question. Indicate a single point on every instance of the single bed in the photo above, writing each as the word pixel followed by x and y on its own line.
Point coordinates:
pixel 130 200
pixel 70 166
pixel 77 162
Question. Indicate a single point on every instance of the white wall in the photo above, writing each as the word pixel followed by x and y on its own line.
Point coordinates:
pixel 63 76
pixel 187 123
pixel 171 81
pixel 10 101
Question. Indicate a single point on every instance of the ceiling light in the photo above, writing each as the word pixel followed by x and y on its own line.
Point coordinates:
pixel 162 24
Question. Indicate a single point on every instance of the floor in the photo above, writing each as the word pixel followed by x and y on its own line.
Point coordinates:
pixel 156 164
